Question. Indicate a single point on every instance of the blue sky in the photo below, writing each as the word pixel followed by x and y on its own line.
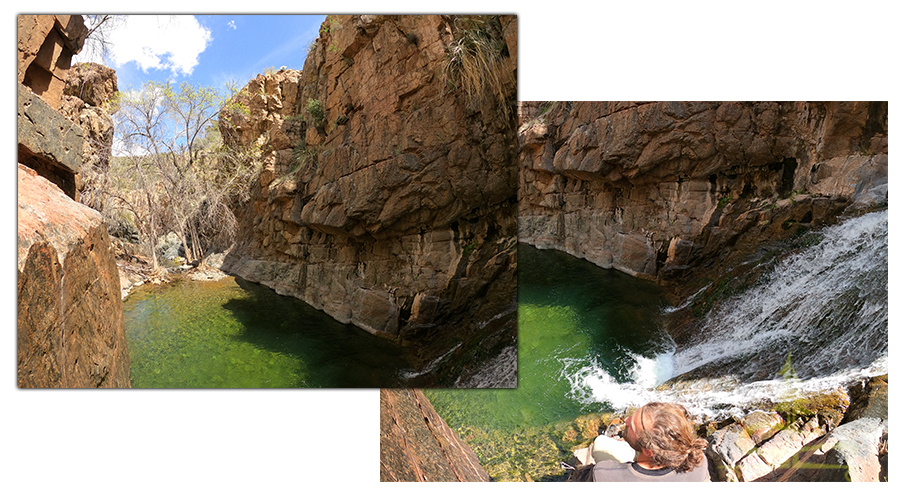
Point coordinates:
pixel 206 50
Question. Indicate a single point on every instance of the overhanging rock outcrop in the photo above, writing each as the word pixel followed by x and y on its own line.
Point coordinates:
pixel 654 188
pixel 48 143
pixel 46 44
pixel 387 196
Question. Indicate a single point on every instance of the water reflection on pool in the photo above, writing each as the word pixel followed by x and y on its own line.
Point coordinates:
pixel 236 334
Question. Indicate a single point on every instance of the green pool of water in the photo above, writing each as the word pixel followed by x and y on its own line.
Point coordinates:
pixel 235 334
pixel 572 315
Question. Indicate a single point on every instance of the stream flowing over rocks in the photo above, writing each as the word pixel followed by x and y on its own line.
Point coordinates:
pixel 387 199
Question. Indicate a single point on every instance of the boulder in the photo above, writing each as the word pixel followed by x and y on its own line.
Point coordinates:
pixel 870 400
pixel 49 143
pixel 71 331
pixel 726 447
pixel 854 452
pixel 417 445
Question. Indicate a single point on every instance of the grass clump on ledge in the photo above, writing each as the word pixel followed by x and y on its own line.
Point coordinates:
pixel 477 62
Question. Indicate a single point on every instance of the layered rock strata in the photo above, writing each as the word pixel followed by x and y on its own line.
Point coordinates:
pixel 417 445
pixel 46 44
pixel 48 143
pixel 71 331
pixel 655 189
pixel 846 442
pixel 387 198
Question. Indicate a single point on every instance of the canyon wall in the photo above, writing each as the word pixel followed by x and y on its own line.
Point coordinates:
pixel 46 45
pixel 387 196
pixel 661 189
pixel 70 326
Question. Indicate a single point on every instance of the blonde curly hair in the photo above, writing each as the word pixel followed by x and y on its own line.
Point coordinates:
pixel 669 436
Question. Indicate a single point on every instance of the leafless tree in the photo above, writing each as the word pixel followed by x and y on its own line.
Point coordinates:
pixel 185 178
pixel 97 44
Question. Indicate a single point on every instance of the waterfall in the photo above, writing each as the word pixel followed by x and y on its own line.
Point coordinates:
pixel 816 321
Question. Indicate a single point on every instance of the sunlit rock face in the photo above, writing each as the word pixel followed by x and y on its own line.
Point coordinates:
pixel 417 445
pixel 387 198
pixel 70 325
pixel 656 188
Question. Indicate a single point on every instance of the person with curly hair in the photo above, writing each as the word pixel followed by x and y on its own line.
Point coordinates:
pixel 666 447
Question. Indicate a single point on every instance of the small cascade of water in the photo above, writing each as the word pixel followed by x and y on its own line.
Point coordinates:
pixel 815 322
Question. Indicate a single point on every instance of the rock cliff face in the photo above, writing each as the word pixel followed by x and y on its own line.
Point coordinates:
pixel 417 445
pixel 46 45
pixel 387 197
pixel 71 331
pixel 89 89
pixel 47 143
pixel 655 189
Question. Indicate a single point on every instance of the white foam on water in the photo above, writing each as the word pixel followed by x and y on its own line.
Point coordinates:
pixel 826 305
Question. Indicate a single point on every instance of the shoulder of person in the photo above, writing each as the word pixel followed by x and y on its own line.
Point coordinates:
pixel 611 465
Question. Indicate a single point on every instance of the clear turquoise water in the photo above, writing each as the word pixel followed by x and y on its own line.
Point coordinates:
pixel 235 334
pixel 572 315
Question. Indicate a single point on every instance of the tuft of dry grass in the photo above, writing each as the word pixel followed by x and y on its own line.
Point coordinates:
pixel 478 63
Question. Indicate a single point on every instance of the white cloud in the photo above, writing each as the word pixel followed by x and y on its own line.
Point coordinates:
pixel 160 42
pixel 232 25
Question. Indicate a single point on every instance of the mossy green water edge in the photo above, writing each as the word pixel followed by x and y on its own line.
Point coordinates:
pixel 235 334
pixel 572 315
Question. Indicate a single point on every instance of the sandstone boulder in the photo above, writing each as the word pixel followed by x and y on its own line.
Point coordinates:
pixel 417 445
pixel 49 143
pixel 71 331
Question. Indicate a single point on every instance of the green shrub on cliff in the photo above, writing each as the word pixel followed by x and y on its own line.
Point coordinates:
pixel 316 112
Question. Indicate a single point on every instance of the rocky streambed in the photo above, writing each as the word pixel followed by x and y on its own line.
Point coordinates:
pixel 840 435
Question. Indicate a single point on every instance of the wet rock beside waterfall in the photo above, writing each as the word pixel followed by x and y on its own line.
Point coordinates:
pixel 802 441
pixel 774 453
pixel 854 452
pixel 869 400
pixel 726 447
